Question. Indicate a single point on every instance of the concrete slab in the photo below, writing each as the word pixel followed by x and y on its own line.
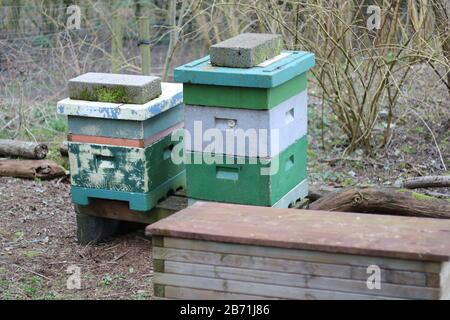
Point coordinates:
pixel 115 88
pixel 246 50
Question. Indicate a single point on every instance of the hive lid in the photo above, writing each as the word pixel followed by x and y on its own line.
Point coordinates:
pixel 268 74
pixel 171 96
pixel 335 232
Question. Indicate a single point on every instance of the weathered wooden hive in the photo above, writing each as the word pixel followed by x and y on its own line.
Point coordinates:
pixel 226 251
pixel 248 100
pixel 120 142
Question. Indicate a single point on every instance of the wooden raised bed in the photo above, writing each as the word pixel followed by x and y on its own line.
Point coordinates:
pixel 224 251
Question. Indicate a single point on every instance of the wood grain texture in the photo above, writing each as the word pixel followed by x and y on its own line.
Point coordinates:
pixel 299 280
pixel 252 288
pixel 313 269
pixel 31 169
pixel 424 268
pixel 172 292
pixel 421 239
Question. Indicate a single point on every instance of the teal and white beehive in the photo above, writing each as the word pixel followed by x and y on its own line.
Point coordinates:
pixel 246 122
pixel 120 143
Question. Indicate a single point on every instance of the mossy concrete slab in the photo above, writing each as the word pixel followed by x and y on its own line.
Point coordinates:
pixel 246 50
pixel 115 88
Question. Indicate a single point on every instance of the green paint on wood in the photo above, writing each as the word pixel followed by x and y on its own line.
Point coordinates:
pixel 242 181
pixel 137 201
pixel 243 97
pixel 122 168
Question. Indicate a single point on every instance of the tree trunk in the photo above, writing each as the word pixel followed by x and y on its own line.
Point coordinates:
pixel 383 201
pixel 31 169
pixel 23 149
pixel 441 9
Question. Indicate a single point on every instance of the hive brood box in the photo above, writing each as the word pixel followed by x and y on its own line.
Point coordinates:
pixel 122 151
pixel 225 251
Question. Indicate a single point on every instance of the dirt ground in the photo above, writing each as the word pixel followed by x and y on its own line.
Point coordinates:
pixel 38 245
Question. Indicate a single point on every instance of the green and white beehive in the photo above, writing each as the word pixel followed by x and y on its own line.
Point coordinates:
pixel 268 98
pixel 120 144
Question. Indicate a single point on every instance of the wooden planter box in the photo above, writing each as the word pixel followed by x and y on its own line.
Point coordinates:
pixel 224 251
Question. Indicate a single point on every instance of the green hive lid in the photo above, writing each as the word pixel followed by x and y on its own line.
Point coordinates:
pixel 268 74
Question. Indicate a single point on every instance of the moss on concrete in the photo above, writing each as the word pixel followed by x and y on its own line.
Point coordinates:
pixel 106 94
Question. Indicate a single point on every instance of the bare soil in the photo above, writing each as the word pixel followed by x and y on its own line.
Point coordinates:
pixel 38 244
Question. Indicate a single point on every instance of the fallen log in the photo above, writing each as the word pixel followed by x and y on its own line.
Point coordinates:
pixel 383 201
pixel 31 169
pixel 317 192
pixel 426 182
pixel 23 149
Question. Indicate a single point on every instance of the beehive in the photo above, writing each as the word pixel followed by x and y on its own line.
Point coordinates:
pixel 120 150
pixel 246 127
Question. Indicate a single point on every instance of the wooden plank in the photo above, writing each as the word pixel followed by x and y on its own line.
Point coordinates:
pixel 301 281
pixel 119 210
pixel 287 266
pixel 304 255
pixel 250 288
pixel 409 238
pixel 199 294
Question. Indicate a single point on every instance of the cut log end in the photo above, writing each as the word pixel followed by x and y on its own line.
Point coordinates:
pixel 23 149
pixel 41 151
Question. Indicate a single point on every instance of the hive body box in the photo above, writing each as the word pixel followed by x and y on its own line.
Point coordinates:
pixel 264 111
pixel 123 151
pixel 224 251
